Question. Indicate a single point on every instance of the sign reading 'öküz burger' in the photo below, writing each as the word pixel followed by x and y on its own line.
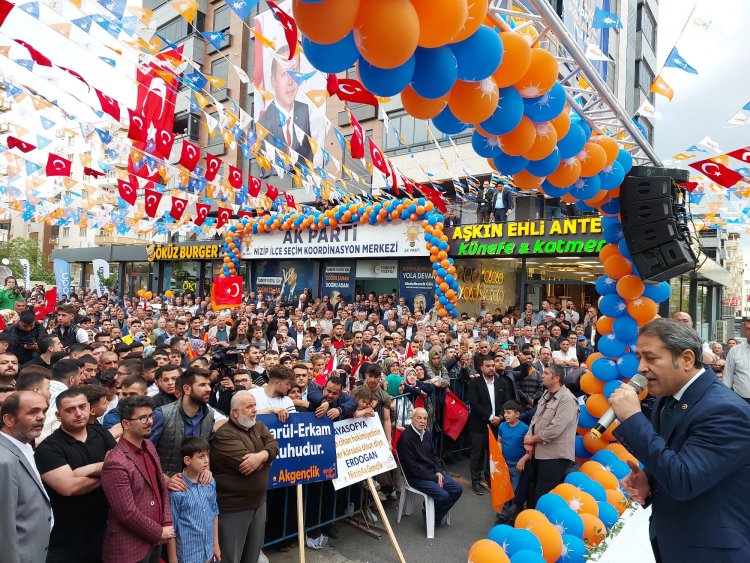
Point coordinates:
pixel 157 252
pixel 576 236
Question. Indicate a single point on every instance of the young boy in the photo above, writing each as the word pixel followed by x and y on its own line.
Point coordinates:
pixel 195 514
pixel 510 438
pixel 365 402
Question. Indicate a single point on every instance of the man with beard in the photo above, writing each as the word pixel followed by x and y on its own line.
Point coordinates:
pixel 70 462
pixel 8 368
pixel 26 513
pixel 24 336
pixel 139 519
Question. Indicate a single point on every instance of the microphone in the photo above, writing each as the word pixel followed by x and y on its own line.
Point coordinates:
pixel 639 383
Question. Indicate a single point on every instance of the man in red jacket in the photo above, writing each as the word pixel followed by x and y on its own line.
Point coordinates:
pixel 140 520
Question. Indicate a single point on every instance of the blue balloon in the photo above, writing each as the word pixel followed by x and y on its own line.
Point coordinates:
pixel 586 484
pixel 435 72
pixel 606 285
pixel 509 164
pixel 620 469
pixel 546 166
pixel 585 420
pixel 575 549
pixel 611 207
pixel 527 556
pixel 567 521
pixel 572 143
pixel 554 191
pixel 499 533
pixel 441 272
pixel 584 207
pixel 611 386
pixel 613 233
pixel 608 514
pixel 604 369
pixel 578 120
pixel 508 114
pixel 549 502
pixel 623 246
pixel 386 82
pixel 449 279
pixel 612 305
pixel 625 159
pixel 521 539
pixel 606 457
pixel 659 292
pixel 611 347
pixel 484 146
pixel 625 328
pixel 612 176
pixel 585 188
pixel 581 451
pixel 448 123
pixel 479 55
pixel 547 106
pixel 333 58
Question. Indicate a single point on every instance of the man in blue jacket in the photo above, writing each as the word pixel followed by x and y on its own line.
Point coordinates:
pixel 695 451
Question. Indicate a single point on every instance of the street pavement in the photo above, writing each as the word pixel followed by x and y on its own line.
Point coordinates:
pixel 471 519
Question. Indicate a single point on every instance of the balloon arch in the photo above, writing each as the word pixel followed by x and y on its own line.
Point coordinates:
pixel 452 63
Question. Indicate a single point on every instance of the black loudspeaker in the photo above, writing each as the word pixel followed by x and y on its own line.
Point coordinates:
pixel 654 225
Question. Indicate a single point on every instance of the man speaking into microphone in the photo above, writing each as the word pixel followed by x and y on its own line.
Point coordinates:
pixel 695 451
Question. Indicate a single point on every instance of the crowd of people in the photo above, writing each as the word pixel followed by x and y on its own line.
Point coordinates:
pixel 129 429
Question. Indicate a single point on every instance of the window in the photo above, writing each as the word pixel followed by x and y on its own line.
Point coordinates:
pixel 66 232
pixel 646 24
pixel 222 19
pixel 647 127
pixel 220 69
pixel 82 231
pixel 644 76
pixel 414 133
pixel 175 30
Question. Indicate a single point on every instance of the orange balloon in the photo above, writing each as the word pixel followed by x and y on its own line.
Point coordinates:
pixel 608 436
pixel 544 143
pixel 387 32
pixel 592 358
pixel 602 476
pixel 327 21
pixel 617 266
pixel 598 199
pixel 521 139
pixel 594 530
pixel 475 17
pixel 541 75
pixel 566 491
pixel 516 58
pixel 593 159
pixel 566 174
pixel 529 519
pixel 610 146
pixel 618 500
pixel 551 539
pixel 620 451
pixel 474 102
pixel 584 503
pixel 593 444
pixel 419 107
pixel 440 20
pixel 562 122
pixel 526 181
pixel 590 384
pixel 487 551
pixel 597 405
pixel 607 251
pixel 630 287
pixel 643 310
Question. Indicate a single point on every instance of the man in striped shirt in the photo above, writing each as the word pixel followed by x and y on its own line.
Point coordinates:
pixel 737 368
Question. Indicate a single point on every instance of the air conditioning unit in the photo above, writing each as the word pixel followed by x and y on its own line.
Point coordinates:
pixel 722 331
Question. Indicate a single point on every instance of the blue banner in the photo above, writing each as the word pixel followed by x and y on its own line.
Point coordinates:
pixel 62 277
pixel 289 278
pixel 339 280
pixel 307 450
pixel 416 283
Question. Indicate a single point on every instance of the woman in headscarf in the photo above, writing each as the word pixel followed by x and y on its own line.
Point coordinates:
pixel 436 374
pixel 402 406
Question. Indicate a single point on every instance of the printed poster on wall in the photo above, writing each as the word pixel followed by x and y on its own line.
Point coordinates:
pixel 290 278
pixel 416 283
pixel 339 280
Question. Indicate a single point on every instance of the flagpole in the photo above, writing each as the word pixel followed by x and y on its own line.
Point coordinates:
pixel 384 517
pixel 300 524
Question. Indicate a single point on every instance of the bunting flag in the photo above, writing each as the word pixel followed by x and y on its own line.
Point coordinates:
pixel 164 142
pixel 661 87
pixel 434 196
pixel 57 165
pixel 226 292
pixel 138 128
pixel 188 9
pixel 350 90
pixel 222 217
pixel 178 208
pixel 36 56
pixel 235 177
pixel 605 20
pixel 16 143
pixel 272 192
pixel 742 154
pixel 674 60
pixel 151 200
pixel 455 415
pixel 254 186
pixel 289 26
pixel 242 8
pixel 96 174
pixel 110 106
pixel 501 489
pixel 201 212
pixel 213 163
pixel 378 159
pixel 128 189
pixel 358 138
pixel 190 155
pixel 5 8
pixel 290 200
pixel 717 172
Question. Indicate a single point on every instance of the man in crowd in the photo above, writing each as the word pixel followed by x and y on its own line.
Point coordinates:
pixel 737 367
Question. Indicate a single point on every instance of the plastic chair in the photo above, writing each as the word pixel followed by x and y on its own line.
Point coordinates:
pixel 406 506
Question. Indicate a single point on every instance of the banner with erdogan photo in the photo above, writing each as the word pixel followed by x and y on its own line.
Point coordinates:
pixel 289 99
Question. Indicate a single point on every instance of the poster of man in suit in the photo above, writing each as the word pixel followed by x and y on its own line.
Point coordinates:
pixel 282 104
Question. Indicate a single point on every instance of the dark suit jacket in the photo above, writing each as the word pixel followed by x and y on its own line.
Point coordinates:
pixel 699 473
pixel 479 400
pixel 135 524
pixel 271 120
pixel 507 199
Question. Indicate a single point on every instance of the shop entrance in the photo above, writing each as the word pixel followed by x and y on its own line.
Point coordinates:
pixel 579 292
pixel 378 287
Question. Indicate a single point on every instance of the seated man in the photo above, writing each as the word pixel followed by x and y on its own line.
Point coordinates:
pixel 421 466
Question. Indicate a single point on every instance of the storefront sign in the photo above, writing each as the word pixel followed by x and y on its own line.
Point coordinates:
pixel 416 284
pixel 157 252
pixel 339 280
pixel 576 236
pixel 307 449
pixel 352 241
pixel 362 450
pixel 376 269
pixel 289 278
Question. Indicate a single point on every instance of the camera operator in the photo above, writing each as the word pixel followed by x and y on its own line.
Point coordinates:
pixel 10 294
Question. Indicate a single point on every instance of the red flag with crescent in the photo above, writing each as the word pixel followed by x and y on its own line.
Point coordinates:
pixel 222 216
pixel 178 207
pixel 242 214
pixel 201 212
pixel 190 155
pixel 93 173
pixel 378 159
pixel 290 200
pixel 151 199
pixel 253 186
pixel 157 91
pixel 350 90
pixel 57 165
pixel 49 305
pixel 36 56
pixel 717 172
pixel 5 8
pixel 742 154
pixel 235 177
pixel 138 128
pixel 226 292
pixel 164 142
pixel 290 27
pixel 357 143
pixel 128 189
pixel 16 143
pixel 213 163
pixel 434 196
pixel 272 192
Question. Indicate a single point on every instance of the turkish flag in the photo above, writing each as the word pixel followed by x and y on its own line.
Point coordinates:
pixel 358 138
pixel 16 143
pixel 717 172
pixel 290 200
pixel 222 216
pixel 152 199
pixel 36 56
pixel 128 189
pixel 5 8
pixel 254 185
pixel 178 207
pixel 235 177
pixel 434 196
pixel 242 214
pixel 93 173
pixel 73 73
pixel 201 212
pixel 226 292
pixel 455 415
pixel 213 163
pixel 394 178
pixel 164 142
pixel 350 90
pixel 49 305
pixel 110 106
pixel 272 192
pixel 157 91
pixel 742 154
pixel 138 129
pixel 378 159
pixel 289 25
pixel 190 155
pixel 57 165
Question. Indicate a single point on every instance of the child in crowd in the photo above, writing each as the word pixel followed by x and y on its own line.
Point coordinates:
pixel 195 513
pixel 510 436
pixel 365 402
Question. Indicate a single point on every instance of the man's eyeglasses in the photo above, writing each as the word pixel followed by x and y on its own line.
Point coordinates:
pixel 143 419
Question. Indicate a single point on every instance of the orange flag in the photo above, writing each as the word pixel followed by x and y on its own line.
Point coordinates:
pixel 661 87
pixel 502 491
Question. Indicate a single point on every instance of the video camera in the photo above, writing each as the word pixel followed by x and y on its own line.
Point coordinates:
pixel 224 359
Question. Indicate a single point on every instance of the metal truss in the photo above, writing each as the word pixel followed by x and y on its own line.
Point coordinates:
pixel 587 93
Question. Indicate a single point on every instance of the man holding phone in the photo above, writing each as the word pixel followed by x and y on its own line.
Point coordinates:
pixel 23 336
